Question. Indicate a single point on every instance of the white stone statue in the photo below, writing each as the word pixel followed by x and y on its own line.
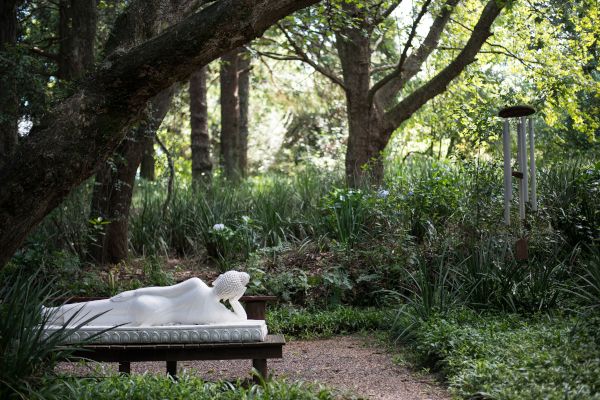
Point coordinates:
pixel 191 302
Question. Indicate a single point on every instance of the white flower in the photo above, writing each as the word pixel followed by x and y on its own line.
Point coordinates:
pixel 382 193
pixel 218 227
pixel 245 218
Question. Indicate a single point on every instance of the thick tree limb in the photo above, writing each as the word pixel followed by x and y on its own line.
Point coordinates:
pixel 86 128
pixel 386 89
pixel 401 112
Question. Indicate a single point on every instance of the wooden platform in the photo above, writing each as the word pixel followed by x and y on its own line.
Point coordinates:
pixel 125 354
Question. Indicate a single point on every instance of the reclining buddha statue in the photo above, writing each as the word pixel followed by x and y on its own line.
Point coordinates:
pixel 191 302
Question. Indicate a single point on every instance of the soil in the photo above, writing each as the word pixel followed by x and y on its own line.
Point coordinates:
pixel 354 366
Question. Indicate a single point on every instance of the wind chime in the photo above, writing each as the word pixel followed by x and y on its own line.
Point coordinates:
pixel 526 178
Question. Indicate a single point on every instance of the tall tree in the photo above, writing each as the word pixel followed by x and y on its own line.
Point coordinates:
pixel 373 109
pixel 244 98
pixel 200 140
pixel 113 189
pixel 84 129
pixel 235 92
pixel 77 34
pixel 230 114
pixel 9 100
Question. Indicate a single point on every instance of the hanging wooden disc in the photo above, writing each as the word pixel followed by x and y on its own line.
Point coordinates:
pixel 516 111
pixel 522 250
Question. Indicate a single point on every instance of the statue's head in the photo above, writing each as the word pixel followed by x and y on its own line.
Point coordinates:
pixel 231 284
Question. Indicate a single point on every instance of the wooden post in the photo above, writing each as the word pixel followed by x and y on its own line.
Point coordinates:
pixel 172 369
pixel 260 364
pixel 124 367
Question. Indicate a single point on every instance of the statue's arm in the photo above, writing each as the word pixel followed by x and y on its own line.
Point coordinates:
pixel 238 309
pixel 164 291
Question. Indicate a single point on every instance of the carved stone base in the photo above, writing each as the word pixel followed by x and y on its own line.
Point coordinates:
pixel 246 331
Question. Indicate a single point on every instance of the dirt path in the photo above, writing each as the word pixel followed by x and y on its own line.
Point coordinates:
pixel 347 363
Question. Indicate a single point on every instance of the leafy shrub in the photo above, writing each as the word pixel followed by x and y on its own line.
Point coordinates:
pixel 27 357
pixel 570 190
pixel 506 356
pixel 311 323
pixel 347 213
pixel 143 387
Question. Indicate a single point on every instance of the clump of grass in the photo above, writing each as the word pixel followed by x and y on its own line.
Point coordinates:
pixel 28 358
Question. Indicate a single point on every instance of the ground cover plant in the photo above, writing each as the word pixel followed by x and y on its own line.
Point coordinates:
pixel 142 387
pixel 511 356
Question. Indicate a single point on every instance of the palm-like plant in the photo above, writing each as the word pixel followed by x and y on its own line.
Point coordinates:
pixel 28 356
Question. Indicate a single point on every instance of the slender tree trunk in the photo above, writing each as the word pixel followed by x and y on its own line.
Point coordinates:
pixel 363 153
pixel 148 165
pixel 230 114
pixel 201 161
pixel 77 33
pixel 113 189
pixel 9 100
pixel 244 96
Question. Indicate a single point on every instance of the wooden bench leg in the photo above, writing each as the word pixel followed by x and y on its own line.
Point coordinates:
pixel 124 367
pixel 172 369
pixel 260 364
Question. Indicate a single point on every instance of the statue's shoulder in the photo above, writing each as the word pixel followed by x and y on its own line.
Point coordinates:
pixel 195 282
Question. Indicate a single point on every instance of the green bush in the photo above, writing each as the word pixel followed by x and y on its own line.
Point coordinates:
pixel 506 356
pixel 144 387
pixel 27 356
pixel 311 323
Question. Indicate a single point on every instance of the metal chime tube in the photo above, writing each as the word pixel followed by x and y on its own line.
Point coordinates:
pixel 520 151
pixel 524 156
pixel 533 197
pixel 507 171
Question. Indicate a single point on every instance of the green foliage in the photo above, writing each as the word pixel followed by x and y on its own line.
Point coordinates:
pixel 147 386
pixel 27 356
pixel 347 214
pixel 510 357
pixel 587 287
pixel 313 323
pixel 572 189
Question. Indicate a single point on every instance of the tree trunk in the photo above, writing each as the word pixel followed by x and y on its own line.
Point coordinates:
pixel 148 165
pixel 363 153
pixel 84 129
pixel 244 97
pixel 113 189
pixel 201 161
pixel 230 114
pixel 77 34
pixel 9 100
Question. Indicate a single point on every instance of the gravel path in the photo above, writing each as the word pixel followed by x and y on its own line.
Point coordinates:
pixel 349 364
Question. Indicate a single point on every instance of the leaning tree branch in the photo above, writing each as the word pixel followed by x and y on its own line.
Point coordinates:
pixel 85 128
pixel 306 59
pixel 503 52
pixel 385 13
pixel 403 110
pixel 385 93
pixel 407 45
